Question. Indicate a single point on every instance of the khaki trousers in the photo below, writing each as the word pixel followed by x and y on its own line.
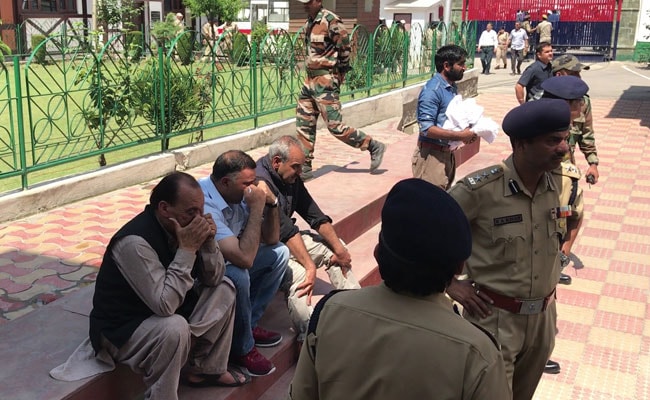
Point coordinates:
pixel 527 342
pixel 434 166
pixel 299 310
pixel 161 346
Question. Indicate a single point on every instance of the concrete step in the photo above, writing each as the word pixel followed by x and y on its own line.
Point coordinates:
pixel 280 388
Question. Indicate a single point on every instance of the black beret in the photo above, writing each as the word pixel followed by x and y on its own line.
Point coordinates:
pixel 536 118
pixel 565 87
pixel 423 226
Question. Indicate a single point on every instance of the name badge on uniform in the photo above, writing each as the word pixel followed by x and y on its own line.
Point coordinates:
pixel 560 212
pixel 510 219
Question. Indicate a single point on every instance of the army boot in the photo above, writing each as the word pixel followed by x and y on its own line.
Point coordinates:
pixel 376 149
pixel 306 173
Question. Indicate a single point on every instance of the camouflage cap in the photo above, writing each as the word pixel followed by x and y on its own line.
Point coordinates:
pixel 568 62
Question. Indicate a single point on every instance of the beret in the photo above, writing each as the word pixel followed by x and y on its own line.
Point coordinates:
pixel 423 226
pixel 565 87
pixel 536 118
pixel 568 62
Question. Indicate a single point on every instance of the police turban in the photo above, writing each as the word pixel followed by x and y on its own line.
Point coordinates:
pixel 423 226
pixel 536 118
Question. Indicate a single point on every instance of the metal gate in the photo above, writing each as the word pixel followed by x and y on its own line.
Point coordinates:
pixel 581 27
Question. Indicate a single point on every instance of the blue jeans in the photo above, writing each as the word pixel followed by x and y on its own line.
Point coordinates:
pixel 255 290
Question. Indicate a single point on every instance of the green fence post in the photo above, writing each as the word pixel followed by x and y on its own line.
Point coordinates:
pixel 161 90
pixel 21 124
pixel 405 59
pixel 253 81
pixel 371 62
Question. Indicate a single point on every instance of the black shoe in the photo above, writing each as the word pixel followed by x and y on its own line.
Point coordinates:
pixel 376 149
pixel 552 367
pixel 565 279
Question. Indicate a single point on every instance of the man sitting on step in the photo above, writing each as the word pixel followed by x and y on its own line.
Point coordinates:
pixel 161 299
pixel 281 170
pixel 246 216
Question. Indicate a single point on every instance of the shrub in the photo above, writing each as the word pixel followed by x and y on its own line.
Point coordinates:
pixel 241 52
pixel 186 96
pixel 39 52
pixel 185 47
pixel 4 49
pixel 134 45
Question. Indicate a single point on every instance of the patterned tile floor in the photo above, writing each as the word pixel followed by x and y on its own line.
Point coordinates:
pixel 603 343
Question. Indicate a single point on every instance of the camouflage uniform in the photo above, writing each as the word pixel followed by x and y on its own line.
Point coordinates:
pixel 582 133
pixel 328 45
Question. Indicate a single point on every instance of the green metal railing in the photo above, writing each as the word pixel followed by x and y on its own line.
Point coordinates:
pixel 74 98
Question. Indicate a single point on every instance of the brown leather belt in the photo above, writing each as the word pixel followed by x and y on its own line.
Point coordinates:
pixel 438 147
pixel 516 305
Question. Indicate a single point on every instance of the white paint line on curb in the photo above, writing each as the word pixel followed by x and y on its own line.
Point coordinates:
pixel 636 73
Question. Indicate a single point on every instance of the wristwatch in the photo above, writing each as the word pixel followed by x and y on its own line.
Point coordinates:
pixel 275 203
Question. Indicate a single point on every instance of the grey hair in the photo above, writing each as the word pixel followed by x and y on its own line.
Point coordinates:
pixel 280 147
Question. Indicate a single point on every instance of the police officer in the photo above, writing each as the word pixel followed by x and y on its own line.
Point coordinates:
pixel 519 211
pixel 327 63
pixel 402 339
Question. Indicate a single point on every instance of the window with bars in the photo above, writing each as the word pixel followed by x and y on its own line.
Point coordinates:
pixel 49 6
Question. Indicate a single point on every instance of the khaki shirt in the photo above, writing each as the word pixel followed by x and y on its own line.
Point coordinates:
pixel 373 343
pixel 516 236
pixel 544 29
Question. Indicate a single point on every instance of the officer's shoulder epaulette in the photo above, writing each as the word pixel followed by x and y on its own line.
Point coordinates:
pixel 481 177
pixel 568 169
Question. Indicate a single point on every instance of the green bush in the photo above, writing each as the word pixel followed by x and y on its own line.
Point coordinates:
pixel 134 45
pixel 4 50
pixel 241 52
pixel 185 47
pixel 186 96
pixel 39 54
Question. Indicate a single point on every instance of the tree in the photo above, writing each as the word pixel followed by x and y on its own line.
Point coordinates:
pixel 116 12
pixel 226 10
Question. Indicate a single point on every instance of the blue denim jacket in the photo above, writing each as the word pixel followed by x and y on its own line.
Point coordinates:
pixel 432 105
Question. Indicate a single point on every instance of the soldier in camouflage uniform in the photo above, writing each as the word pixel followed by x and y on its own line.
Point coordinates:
pixel 582 130
pixel 567 85
pixel 328 61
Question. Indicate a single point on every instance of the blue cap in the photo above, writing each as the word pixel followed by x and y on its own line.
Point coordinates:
pixel 536 118
pixel 565 87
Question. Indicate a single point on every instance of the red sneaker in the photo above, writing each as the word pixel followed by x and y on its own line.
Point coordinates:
pixel 255 364
pixel 264 338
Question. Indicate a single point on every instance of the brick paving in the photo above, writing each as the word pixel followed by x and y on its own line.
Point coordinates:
pixel 603 343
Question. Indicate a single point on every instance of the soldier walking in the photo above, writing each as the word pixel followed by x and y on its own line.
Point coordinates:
pixel 327 63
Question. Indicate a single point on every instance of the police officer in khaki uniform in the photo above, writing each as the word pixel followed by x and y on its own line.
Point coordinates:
pixel 328 61
pixel 519 211
pixel 401 339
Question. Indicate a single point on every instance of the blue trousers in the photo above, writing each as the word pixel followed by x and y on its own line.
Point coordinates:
pixel 255 290
pixel 486 57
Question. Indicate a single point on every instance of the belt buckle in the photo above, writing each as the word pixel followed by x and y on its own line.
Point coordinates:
pixel 530 307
